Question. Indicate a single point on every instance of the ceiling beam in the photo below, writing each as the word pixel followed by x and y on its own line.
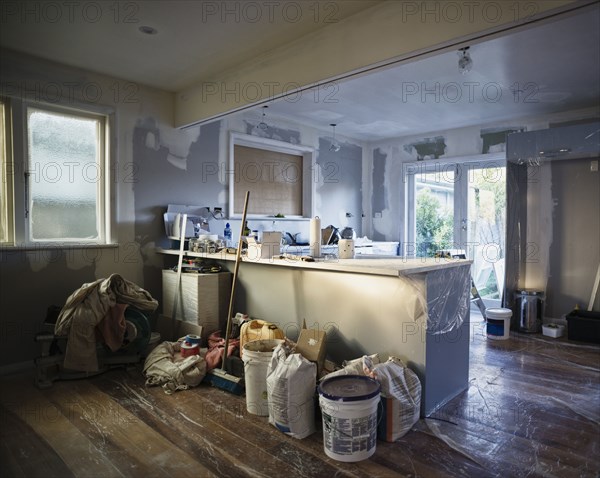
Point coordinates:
pixel 388 32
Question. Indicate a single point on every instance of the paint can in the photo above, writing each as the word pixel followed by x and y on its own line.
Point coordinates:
pixel 498 323
pixel 187 350
pixel 349 407
pixel 257 355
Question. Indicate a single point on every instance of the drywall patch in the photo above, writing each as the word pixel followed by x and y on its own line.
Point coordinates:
pixel 272 132
pixel 379 198
pixel 494 139
pixel 427 148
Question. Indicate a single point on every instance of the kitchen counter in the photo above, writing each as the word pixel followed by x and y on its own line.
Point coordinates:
pixel 414 309
pixel 385 265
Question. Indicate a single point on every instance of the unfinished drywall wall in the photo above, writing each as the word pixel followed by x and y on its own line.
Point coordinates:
pixel 154 164
pixel 337 176
pixel 574 255
pixel 31 279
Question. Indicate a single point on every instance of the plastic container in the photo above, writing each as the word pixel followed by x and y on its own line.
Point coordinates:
pixel 227 235
pixel 498 323
pixel 584 326
pixel 557 331
pixel 349 407
pixel 258 330
pixel 256 359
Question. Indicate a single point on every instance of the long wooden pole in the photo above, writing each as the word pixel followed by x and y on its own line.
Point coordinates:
pixel 238 259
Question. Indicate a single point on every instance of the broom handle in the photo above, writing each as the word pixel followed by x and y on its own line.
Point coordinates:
pixel 238 259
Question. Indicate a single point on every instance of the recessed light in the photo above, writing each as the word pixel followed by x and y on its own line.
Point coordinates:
pixel 148 30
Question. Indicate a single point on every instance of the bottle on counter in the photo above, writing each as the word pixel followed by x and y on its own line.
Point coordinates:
pixel 246 230
pixel 227 235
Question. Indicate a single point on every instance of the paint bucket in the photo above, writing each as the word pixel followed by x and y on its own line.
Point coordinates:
pixel 349 408
pixel 258 330
pixel 257 355
pixel 498 323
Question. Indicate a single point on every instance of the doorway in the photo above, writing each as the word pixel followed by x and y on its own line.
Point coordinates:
pixel 460 206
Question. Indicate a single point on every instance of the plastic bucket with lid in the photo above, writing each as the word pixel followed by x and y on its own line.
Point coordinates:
pixel 349 407
pixel 498 323
pixel 257 355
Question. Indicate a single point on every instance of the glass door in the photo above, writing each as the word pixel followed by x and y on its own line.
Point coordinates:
pixel 460 207
pixel 485 232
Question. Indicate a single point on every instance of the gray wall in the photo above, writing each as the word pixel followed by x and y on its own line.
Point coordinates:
pixel 155 165
pixel 575 250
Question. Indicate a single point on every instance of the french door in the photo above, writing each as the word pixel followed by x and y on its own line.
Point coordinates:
pixel 460 206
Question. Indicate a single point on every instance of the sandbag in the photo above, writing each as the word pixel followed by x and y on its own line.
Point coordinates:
pixel 163 368
pixel 400 399
pixel 291 383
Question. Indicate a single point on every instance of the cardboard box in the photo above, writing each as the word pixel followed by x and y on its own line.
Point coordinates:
pixel 311 345
pixel 203 299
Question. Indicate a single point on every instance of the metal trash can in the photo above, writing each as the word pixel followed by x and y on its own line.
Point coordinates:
pixel 531 305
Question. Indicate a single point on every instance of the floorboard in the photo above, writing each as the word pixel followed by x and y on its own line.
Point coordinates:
pixel 532 409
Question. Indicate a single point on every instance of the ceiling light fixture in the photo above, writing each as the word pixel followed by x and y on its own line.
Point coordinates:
pixel 147 30
pixel 464 61
pixel 263 125
pixel 335 146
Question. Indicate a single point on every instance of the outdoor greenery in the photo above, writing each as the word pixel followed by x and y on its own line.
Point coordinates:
pixel 434 224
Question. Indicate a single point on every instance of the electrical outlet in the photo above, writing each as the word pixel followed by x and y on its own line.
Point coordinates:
pixel 594 166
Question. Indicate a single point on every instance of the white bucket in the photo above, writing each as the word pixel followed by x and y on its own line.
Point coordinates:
pixel 349 407
pixel 498 323
pixel 256 357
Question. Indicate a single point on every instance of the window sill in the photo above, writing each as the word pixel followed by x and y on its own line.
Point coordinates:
pixel 55 245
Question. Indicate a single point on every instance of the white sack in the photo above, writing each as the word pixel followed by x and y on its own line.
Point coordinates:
pixel 291 383
pixel 400 399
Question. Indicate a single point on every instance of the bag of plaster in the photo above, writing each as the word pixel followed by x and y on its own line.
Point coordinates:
pixel 359 366
pixel 291 383
pixel 400 399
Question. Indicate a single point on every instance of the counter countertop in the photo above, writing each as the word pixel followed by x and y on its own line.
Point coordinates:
pixel 387 266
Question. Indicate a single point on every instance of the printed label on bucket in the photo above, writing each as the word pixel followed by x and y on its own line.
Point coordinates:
pixel 495 327
pixel 346 436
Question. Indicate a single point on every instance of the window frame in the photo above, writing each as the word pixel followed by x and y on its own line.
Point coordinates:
pixel 7 175
pixel 257 142
pixel 20 158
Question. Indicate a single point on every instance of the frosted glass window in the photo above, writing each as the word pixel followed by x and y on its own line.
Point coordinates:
pixel 65 176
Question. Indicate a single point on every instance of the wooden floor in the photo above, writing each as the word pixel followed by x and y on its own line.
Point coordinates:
pixel 532 409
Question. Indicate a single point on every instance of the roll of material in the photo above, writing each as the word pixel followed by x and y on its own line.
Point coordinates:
pixel 315 237
pixel 346 249
pixel 188 350
pixel 192 339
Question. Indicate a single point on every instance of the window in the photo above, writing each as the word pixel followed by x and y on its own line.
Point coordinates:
pixel 61 176
pixel 277 174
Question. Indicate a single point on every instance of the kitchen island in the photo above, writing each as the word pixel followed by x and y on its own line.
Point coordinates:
pixel 415 309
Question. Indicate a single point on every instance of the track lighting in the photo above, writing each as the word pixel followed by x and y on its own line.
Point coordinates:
pixel 335 146
pixel 464 61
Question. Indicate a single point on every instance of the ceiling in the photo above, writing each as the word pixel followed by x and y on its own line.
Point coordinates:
pixel 195 40
pixel 544 69
pixel 550 68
